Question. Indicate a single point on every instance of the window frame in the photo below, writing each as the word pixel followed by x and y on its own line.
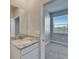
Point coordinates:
pixel 63 24
pixel 58 13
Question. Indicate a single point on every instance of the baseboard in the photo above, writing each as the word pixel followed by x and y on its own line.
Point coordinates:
pixel 53 41
pixel 47 42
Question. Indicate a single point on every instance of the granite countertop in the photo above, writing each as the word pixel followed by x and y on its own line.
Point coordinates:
pixel 26 41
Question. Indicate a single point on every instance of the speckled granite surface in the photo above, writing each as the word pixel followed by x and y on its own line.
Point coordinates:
pixel 25 42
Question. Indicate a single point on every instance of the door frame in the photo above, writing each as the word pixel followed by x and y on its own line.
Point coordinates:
pixel 42 36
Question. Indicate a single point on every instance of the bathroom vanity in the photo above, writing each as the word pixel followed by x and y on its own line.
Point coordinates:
pixel 27 48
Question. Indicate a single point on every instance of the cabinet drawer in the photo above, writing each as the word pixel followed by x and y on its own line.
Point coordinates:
pixel 30 48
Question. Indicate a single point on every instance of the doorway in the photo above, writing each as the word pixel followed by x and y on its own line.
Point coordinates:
pixel 55 35
pixel 17 25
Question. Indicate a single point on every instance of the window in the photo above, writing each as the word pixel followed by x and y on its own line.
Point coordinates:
pixel 60 24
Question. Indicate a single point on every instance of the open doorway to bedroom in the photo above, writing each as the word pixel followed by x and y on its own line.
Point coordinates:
pixel 56 29
pixel 15 26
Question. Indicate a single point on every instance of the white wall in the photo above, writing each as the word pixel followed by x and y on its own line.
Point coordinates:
pixel 47 27
pixel 12 27
pixel 60 37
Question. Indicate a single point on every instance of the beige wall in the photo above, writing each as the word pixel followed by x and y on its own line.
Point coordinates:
pixel 23 21
pixel 30 12
pixel 19 3
pixel 21 11
pixel 12 11
pixel 34 16
pixel 23 18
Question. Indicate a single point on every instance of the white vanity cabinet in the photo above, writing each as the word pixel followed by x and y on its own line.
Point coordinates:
pixel 32 55
pixel 30 52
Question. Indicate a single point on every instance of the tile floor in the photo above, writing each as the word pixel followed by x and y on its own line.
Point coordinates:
pixel 56 51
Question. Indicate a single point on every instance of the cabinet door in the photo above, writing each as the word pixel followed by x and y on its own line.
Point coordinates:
pixel 27 56
pixel 35 54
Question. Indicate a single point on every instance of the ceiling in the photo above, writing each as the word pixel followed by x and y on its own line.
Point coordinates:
pixel 56 5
